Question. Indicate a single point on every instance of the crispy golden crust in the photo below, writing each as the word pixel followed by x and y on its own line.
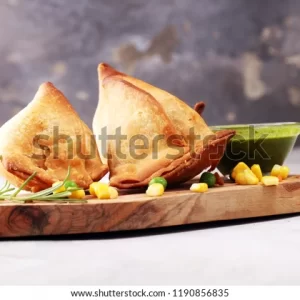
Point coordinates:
pixel 173 106
pixel 141 109
pixel 181 169
pixel 29 143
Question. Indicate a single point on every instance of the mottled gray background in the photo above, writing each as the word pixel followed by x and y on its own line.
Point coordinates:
pixel 241 56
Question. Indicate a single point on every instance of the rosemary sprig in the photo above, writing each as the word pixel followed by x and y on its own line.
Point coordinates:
pixel 23 185
pixel 7 191
pixel 42 196
pixel 5 187
pixel 51 189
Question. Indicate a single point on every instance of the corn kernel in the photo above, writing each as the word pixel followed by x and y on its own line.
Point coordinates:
pixel 246 177
pixel 92 188
pixel 80 194
pixel 270 180
pixel 240 178
pixel 275 170
pixel 59 190
pixel 241 166
pixel 101 190
pixel 113 192
pixel 199 187
pixel 257 171
pixel 155 189
pixel 250 177
pixel 284 172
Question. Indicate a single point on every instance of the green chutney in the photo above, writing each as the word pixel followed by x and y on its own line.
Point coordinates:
pixel 263 144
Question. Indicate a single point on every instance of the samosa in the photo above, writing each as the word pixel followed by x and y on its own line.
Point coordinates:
pixel 47 137
pixel 173 139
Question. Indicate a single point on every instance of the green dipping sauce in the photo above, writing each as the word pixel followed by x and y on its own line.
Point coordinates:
pixel 263 144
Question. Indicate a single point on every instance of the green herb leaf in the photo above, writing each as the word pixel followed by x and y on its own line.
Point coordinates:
pixel 42 196
pixel 5 186
pixel 7 191
pixel 23 185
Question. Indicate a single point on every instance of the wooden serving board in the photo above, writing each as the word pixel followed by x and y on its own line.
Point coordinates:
pixel 137 211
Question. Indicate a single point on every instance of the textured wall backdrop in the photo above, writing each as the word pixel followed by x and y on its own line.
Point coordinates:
pixel 241 56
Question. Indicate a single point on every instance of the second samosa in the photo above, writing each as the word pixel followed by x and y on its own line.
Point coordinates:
pixel 145 132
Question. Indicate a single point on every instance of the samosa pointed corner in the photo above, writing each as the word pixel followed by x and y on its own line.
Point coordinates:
pixel 105 70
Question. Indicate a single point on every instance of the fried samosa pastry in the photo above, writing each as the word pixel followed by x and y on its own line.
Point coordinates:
pixel 187 146
pixel 47 137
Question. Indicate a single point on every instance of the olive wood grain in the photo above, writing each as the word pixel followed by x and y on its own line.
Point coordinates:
pixel 137 211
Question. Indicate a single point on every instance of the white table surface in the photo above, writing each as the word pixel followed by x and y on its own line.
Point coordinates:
pixel 260 251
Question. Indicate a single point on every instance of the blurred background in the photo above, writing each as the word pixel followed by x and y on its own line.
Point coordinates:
pixel 241 57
